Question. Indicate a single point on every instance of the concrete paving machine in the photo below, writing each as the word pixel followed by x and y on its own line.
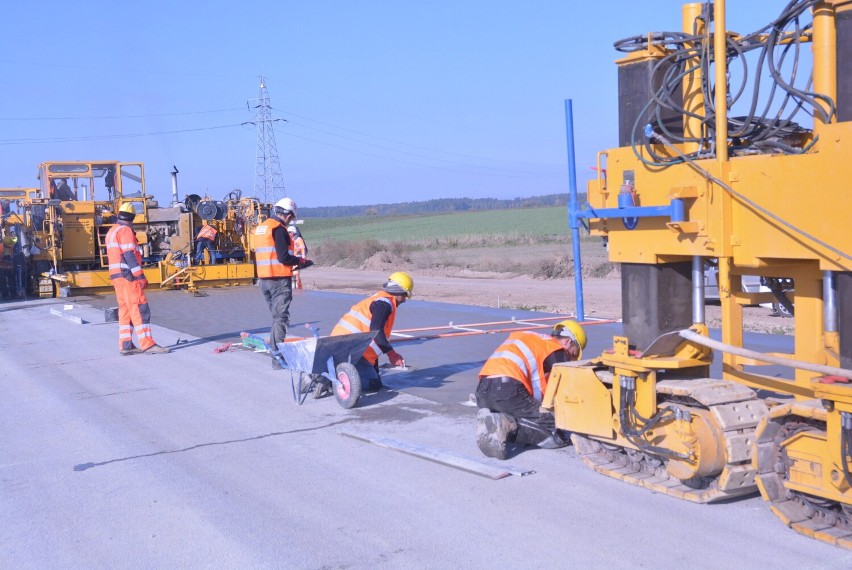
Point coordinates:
pixel 61 227
pixel 765 196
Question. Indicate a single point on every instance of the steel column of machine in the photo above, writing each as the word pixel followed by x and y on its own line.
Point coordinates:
pixel 824 48
pixel 693 95
pixel 573 219
pixel 829 299
pixel 720 37
pixel 697 290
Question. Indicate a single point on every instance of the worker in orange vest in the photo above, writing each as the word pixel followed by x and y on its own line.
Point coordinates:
pixel 274 260
pixel 377 313
pixel 300 249
pixel 511 385
pixel 204 240
pixel 128 279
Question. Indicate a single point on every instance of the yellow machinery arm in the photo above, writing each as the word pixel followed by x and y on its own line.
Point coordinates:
pixel 764 196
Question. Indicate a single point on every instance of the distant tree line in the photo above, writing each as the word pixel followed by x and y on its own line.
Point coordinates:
pixel 436 206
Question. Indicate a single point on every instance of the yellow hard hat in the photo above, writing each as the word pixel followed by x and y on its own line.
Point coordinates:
pixel 570 329
pixel 400 283
pixel 127 208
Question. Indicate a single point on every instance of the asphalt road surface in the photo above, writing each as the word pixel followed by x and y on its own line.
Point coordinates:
pixel 198 459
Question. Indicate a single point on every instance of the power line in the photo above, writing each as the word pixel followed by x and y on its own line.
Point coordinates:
pixel 402 151
pixel 416 163
pixel 7 142
pixel 409 144
pixel 125 70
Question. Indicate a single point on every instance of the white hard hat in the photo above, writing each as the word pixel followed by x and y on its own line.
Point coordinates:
pixel 286 204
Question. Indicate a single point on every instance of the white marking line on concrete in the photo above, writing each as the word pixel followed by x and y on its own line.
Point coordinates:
pixel 71 318
pixel 444 458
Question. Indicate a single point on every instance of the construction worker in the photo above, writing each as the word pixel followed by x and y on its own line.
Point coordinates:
pixel 377 313
pixel 8 286
pixel 511 385
pixel 128 279
pixel 60 190
pixel 274 260
pixel 300 249
pixel 204 240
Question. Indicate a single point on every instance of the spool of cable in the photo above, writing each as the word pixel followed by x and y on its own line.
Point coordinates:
pixel 207 210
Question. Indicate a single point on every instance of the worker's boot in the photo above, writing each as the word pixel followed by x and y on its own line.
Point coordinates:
pixel 493 432
pixel 555 441
pixel 157 349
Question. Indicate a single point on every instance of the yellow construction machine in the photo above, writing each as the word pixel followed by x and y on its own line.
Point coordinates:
pixel 62 225
pixel 765 196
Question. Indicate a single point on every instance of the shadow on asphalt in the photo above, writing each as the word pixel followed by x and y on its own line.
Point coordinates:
pixel 433 377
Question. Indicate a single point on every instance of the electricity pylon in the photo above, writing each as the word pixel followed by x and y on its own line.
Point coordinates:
pixel 268 180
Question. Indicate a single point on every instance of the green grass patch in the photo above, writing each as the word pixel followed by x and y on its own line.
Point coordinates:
pixel 511 225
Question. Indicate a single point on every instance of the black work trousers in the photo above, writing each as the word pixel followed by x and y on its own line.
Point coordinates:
pixel 278 293
pixel 510 396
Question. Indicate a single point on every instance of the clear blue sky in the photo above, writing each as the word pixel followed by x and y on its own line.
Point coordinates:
pixel 386 101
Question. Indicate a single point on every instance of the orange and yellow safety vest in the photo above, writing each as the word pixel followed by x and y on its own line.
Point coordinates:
pixel 123 253
pixel 265 258
pixel 522 357
pixel 207 232
pixel 358 319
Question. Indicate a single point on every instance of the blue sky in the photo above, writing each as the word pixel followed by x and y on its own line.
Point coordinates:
pixel 384 101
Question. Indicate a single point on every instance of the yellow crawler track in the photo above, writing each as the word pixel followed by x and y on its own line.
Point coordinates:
pixel 736 411
pixel 817 518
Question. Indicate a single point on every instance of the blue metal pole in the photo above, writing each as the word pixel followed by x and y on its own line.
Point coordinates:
pixel 573 221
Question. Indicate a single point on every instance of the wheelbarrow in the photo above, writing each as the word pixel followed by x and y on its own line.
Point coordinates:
pixel 320 360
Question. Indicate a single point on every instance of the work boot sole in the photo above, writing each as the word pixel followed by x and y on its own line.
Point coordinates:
pixel 492 433
pixel 130 352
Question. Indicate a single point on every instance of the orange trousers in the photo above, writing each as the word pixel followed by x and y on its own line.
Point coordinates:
pixel 134 315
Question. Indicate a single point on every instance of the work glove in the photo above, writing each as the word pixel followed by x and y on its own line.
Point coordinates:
pixel 396 359
pixel 144 283
pixel 303 263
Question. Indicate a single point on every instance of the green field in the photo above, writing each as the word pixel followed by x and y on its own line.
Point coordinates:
pixel 546 223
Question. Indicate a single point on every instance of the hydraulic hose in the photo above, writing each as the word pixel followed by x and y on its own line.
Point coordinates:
pixel 771 359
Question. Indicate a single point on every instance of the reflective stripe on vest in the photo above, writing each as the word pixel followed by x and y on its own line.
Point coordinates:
pixel 522 357
pixel 358 319
pixel 265 257
pixel 123 253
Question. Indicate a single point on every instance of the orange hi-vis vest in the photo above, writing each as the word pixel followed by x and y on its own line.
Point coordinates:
pixel 522 357
pixel 265 258
pixel 207 232
pixel 299 248
pixel 123 253
pixel 357 320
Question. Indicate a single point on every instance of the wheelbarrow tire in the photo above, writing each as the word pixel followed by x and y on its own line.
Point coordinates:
pixel 348 389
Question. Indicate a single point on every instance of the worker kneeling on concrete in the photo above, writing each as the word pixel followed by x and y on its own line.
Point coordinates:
pixel 511 385
pixel 377 313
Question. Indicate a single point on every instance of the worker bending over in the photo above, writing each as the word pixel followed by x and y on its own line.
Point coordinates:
pixel 377 313
pixel 511 385
pixel 128 279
